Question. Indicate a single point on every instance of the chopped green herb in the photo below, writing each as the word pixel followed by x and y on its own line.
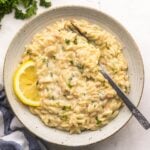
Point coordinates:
pixel 69 85
pixel 85 32
pixel 75 41
pixel 69 82
pixel 97 120
pixel 37 83
pixel 80 67
pixel 70 79
pixel 79 123
pixel 71 62
pixel 89 78
pixel 44 60
pixel 30 11
pixel 67 41
pixel 27 3
pixel 66 108
pixel 45 3
pixel 64 118
pixel 28 52
pixel 89 42
pixel 66 93
pixel 53 57
pixel 103 83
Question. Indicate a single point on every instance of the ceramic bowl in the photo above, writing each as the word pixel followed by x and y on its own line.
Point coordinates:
pixel 24 36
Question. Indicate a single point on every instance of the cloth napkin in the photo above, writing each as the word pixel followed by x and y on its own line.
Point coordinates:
pixel 13 136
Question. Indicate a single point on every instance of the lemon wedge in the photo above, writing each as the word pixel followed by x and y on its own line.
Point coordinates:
pixel 25 84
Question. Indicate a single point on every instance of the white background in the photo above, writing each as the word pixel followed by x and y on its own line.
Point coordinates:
pixel 135 16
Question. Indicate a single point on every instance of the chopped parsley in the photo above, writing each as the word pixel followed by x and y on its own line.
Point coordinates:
pixel 45 3
pixel 80 67
pixel 71 62
pixel 70 79
pixel 69 82
pixel 97 121
pixel 84 32
pixel 45 60
pixel 89 78
pixel 75 41
pixel 37 83
pixel 31 9
pixel 53 57
pixel 67 41
pixel 69 85
pixel 64 117
pixel 66 108
pixel 28 52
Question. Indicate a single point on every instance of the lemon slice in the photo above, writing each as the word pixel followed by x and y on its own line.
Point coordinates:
pixel 25 84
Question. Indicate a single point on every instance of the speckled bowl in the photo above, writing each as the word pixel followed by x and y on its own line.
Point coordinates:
pixel 24 36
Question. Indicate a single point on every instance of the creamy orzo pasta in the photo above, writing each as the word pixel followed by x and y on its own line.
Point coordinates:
pixel 74 95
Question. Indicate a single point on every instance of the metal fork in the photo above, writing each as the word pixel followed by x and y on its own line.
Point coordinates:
pixel 136 113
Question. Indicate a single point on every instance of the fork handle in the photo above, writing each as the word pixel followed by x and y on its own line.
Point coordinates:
pixel 137 114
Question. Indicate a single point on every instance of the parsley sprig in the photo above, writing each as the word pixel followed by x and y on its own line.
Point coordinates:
pixel 29 7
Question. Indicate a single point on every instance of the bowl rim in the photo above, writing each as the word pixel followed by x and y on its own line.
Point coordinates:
pixel 90 9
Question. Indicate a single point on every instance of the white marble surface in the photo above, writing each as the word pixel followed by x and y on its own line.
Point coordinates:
pixel 135 16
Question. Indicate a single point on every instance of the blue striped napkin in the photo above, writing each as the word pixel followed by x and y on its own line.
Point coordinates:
pixel 13 136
